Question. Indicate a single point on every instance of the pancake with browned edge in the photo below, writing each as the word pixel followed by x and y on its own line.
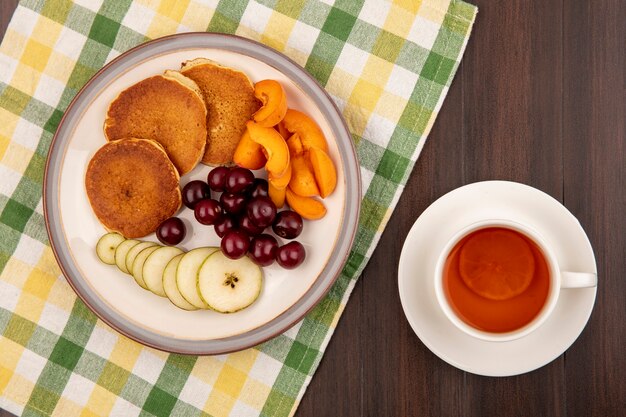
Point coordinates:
pixel 167 108
pixel 132 186
pixel 230 101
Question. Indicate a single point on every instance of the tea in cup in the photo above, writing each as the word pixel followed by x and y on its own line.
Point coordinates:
pixel 498 280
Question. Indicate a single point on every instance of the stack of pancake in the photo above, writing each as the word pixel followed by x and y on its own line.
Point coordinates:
pixel 158 130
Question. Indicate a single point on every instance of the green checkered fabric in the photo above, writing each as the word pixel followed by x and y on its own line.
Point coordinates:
pixel 387 65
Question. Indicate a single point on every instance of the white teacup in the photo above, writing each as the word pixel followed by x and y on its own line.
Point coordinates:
pixel 558 280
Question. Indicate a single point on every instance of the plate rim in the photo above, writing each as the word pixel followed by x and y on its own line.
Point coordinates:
pixel 311 298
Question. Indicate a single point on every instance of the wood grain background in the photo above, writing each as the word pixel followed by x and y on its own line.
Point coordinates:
pixel 540 98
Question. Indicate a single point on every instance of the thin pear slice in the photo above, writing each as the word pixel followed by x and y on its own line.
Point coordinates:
pixel 155 265
pixel 187 275
pixel 122 251
pixel 169 285
pixel 228 285
pixel 132 254
pixel 139 262
pixel 106 246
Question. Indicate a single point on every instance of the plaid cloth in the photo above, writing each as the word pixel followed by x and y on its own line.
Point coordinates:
pixel 387 65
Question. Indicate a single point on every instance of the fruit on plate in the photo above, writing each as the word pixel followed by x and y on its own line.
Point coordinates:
pixel 280 128
pixel 233 203
pixel 263 250
pixel 305 167
pixel 262 211
pixel 106 246
pixel 139 262
pixel 225 224
pixel 276 187
pixel 208 211
pixel 217 178
pixel 291 255
pixel 288 224
pixel 272 95
pixel 122 251
pixel 228 285
pixel 314 172
pixel 239 180
pixel 274 146
pixel 133 252
pixel 187 274
pixel 306 128
pixel 172 231
pixel 248 226
pixel 277 195
pixel 154 268
pixel 259 188
pixel 249 154
pixel 195 191
pixel 235 244
pixel 283 181
pixel 169 285
pixel 302 180
pixel 307 207
pixel 324 171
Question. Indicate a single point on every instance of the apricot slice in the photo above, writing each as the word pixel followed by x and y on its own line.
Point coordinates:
pixel 310 133
pixel 496 263
pixel 294 143
pixel 302 179
pixel 277 195
pixel 280 182
pixel 307 207
pixel 282 130
pixel 324 171
pixel 274 145
pixel 249 154
pixel 274 100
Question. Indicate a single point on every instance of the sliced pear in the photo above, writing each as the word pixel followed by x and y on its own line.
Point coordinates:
pixel 155 265
pixel 106 246
pixel 187 275
pixel 132 254
pixel 169 285
pixel 139 262
pixel 228 285
pixel 122 251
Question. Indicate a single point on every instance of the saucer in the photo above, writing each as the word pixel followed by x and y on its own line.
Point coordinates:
pixel 482 201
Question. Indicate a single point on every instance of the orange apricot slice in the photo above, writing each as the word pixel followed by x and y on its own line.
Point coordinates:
pixel 307 207
pixel 294 143
pixel 302 179
pixel 280 182
pixel 274 145
pixel 277 195
pixel 324 171
pixel 274 100
pixel 280 127
pixel 248 153
pixel 496 263
pixel 310 133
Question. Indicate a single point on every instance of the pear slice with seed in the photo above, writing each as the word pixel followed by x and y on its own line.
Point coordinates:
pixel 228 285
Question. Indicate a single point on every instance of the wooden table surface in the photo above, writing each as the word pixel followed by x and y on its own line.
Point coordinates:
pixel 540 98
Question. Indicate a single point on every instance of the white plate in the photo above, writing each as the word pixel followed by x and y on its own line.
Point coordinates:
pixel 482 201
pixel 74 230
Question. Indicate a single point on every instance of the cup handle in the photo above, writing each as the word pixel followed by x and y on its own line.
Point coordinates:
pixel 578 279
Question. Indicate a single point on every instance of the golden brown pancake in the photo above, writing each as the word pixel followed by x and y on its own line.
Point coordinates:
pixel 167 108
pixel 230 101
pixel 132 186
